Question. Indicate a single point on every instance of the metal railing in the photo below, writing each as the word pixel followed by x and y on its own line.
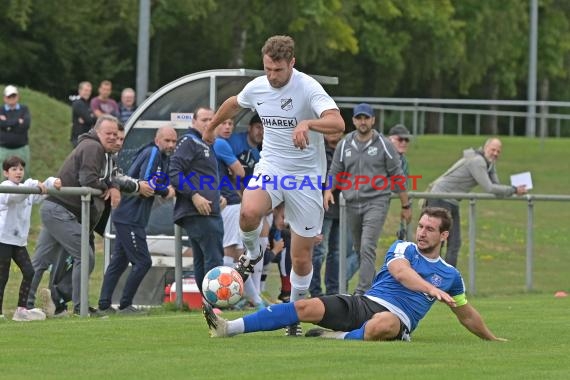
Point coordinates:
pixel 412 112
pixel 472 197
pixel 86 193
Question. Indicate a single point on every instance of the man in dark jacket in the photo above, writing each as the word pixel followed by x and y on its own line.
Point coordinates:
pixel 14 126
pixel 130 220
pixel 194 175
pixel 87 165
pixel 82 117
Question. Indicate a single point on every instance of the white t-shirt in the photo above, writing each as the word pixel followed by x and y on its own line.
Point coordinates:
pixel 280 110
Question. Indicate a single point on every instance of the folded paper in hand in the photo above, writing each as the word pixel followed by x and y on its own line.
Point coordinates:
pixel 522 179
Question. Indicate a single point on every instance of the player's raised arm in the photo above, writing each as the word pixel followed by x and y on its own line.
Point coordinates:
pixel 228 110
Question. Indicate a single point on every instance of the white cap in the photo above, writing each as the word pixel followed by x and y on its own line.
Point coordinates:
pixel 10 90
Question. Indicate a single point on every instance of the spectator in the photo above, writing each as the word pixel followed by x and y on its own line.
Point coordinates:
pixel 247 145
pixel 15 123
pixel 15 215
pixel 476 167
pixel 103 104
pixel 411 280
pixel 230 169
pixel 365 152
pixel 127 105
pixel 82 117
pixel 328 247
pixel 400 137
pixel 61 274
pixel 130 220
pixel 87 165
pixel 198 207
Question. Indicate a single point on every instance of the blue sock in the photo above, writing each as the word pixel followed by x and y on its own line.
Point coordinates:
pixel 271 318
pixel 357 334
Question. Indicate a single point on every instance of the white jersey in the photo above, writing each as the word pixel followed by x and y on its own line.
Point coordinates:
pixel 280 110
pixel 16 211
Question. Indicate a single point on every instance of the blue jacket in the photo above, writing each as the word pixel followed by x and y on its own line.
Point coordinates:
pixel 194 169
pixel 135 210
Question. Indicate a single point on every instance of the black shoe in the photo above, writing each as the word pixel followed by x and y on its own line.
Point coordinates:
pixel 284 297
pixel 131 310
pixel 316 332
pixel 293 330
pixel 91 312
pixel 209 314
pixel 108 311
pixel 245 265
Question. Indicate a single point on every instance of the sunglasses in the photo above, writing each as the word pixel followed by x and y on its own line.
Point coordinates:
pixel 402 139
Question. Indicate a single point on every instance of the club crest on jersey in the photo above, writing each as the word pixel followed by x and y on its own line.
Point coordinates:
pixel 207 153
pixel 436 280
pixel 372 151
pixel 287 104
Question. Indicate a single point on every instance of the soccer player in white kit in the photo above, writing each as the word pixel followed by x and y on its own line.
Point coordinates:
pixel 295 111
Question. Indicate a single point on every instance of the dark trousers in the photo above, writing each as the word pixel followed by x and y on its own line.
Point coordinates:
pixel 206 235
pixel 9 252
pixel 454 239
pixel 130 247
pixel 328 250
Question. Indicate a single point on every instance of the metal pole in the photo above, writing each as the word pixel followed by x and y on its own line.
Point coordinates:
pixel 533 38
pixel 84 293
pixel 529 244
pixel 178 265
pixel 472 233
pixel 143 50
pixel 107 246
pixel 415 119
pixel 342 252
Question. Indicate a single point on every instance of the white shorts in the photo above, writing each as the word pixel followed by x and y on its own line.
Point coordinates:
pixel 302 198
pixel 230 217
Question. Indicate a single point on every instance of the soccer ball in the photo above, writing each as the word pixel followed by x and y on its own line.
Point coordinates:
pixel 222 286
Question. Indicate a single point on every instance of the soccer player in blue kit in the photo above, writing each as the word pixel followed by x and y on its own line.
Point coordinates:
pixel 412 278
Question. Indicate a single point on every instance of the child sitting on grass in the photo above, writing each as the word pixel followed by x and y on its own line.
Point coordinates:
pixel 15 213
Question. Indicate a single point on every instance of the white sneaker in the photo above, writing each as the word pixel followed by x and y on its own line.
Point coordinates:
pixel 36 315
pixel 48 306
pixel 24 315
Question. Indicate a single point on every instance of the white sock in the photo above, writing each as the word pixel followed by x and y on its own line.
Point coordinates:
pixel 300 285
pixel 229 261
pixel 256 275
pixel 250 292
pixel 236 327
pixel 251 241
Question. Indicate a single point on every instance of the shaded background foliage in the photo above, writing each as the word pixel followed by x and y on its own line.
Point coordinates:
pixel 403 48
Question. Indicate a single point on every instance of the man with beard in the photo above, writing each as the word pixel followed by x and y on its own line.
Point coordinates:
pixel 412 278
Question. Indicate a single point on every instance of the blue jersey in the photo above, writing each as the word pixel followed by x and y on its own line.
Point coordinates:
pixel 246 155
pixel 411 306
pixel 226 157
